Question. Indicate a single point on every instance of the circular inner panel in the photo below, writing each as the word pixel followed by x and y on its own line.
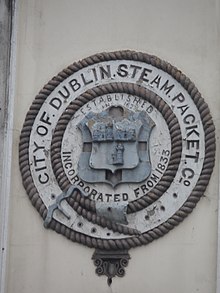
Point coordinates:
pixel 79 151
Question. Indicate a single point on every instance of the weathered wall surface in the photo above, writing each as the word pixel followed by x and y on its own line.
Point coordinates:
pixel 6 15
pixel 51 35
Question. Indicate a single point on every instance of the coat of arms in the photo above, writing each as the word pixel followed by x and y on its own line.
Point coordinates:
pixel 119 141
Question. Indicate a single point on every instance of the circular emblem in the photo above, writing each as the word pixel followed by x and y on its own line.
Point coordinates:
pixel 116 150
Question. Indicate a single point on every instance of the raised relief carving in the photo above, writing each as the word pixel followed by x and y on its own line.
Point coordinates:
pixel 115 152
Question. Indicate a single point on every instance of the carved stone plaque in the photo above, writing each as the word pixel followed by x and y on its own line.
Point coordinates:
pixel 115 151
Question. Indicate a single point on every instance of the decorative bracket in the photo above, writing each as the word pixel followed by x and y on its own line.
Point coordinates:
pixel 110 263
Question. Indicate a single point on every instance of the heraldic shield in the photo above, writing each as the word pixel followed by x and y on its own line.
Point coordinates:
pixel 115 146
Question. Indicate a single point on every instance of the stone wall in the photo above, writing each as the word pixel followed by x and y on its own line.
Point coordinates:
pixel 50 36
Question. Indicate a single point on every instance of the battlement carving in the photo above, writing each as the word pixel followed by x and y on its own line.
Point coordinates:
pixel 118 131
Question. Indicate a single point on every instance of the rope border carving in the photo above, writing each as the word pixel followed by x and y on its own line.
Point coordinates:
pixel 162 229
pixel 132 89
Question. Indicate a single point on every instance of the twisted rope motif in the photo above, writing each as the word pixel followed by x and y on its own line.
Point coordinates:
pixel 192 200
pixel 152 98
